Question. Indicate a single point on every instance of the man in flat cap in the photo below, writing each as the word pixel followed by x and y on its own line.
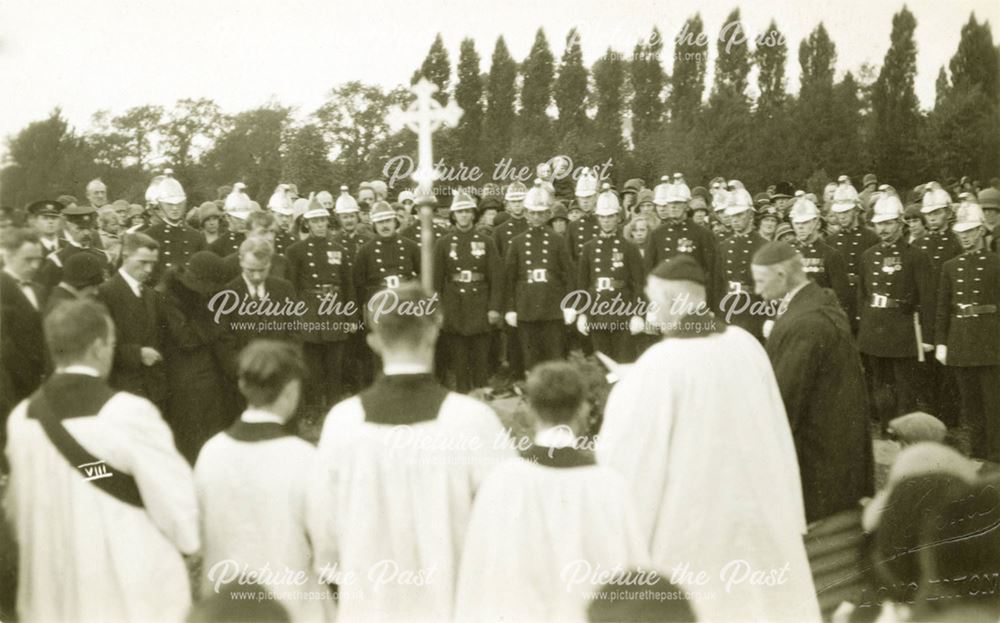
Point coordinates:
pixel 710 488
pixel 818 368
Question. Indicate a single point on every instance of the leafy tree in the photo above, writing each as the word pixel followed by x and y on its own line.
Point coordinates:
pixel 305 161
pixel 533 125
pixel 688 81
pixel 469 97
pixel 140 125
pixel 770 55
pixel 436 68
pixel 500 95
pixel 250 152
pixel 895 114
pixel 571 87
pixel 648 81
pixel 190 129
pixel 609 81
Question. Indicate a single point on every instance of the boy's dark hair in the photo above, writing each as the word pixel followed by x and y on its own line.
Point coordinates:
pixel 555 391
pixel 265 367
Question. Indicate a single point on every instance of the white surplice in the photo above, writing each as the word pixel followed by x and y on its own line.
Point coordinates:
pixel 698 428
pixel 85 555
pixel 252 495
pixel 544 536
pixel 391 503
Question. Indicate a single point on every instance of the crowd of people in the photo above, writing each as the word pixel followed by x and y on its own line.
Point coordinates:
pixel 770 337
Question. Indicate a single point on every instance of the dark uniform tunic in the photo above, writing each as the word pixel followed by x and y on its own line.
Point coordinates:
pixel 352 241
pixel 539 273
pixel 177 244
pixel 228 243
pixel 827 267
pixel 580 232
pixel 385 263
pixel 734 289
pixel 968 323
pixel 509 342
pixel 852 243
pixel 468 274
pixel 668 240
pixel 892 289
pixel 438 228
pixel 611 272
pixel 323 280
pixel 507 231
pixel 940 385
pixel 282 241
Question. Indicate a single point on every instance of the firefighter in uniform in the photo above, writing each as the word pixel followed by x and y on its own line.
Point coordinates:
pixel 178 240
pixel 852 239
pixel 737 303
pixel 515 225
pixel 677 233
pixel 351 234
pixel 585 228
pixel 892 291
pixel 611 273
pixel 538 272
pixel 968 331
pixel 281 205
pixel 939 244
pixel 821 262
pixel 322 278
pixel 383 262
pixel 237 209
pixel 468 275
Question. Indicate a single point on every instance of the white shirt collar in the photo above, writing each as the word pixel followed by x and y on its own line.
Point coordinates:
pixel 255 290
pixel 259 416
pixel 131 281
pixel 560 436
pixel 78 368
pixel 407 367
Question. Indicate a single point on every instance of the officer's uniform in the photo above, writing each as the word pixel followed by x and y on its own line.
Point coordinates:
pixel 611 271
pixel 283 241
pixel 737 302
pixel 385 263
pixel 468 272
pixel 539 273
pixel 323 280
pixel 827 267
pixel 580 232
pixel 177 244
pixel 851 243
pixel 228 243
pixel 892 292
pixel 968 324
pixel 503 234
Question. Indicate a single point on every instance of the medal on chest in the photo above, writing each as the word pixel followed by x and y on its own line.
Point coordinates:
pixel 685 245
pixel 333 258
pixel 453 253
pixel 892 264
pixel 617 259
pixel 478 249
pixel 812 264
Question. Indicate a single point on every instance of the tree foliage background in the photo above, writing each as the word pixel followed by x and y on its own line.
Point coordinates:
pixel 648 113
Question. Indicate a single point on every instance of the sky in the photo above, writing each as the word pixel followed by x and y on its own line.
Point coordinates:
pixel 87 55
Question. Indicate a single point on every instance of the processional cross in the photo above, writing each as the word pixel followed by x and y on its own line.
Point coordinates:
pixel 425 116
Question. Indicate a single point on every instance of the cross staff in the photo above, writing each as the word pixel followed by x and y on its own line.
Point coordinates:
pixel 425 116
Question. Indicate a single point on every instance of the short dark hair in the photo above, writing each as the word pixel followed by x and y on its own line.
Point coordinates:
pixel 555 391
pixel 260 219
pixel 16 237
pixel 402 316
pixel 137 240
pixel 73 326
pixel 266 367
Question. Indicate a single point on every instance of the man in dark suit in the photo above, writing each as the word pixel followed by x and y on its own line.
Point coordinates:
pixel 254 285
pixel 136 311
pixel 818 369
pixel 21 301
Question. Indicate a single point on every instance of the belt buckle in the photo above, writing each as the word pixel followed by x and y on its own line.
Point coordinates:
pixel 880 301
pixel 392 281
pixel 603 283
pixel 537 275
pixel 465 276
pixel 735 286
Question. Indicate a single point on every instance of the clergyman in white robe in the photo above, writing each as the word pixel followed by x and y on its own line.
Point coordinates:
pixel 698 428
pixel 547 531
pixel 84 554
pixel 398 467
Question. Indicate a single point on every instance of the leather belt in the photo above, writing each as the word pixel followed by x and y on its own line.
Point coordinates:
pixel 881 301
pixel 467 276
pixel 324 289
pixel 607 283
pixel 964 310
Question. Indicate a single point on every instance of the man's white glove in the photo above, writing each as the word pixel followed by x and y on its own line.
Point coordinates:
pixel 569 315
pixel 510 318
pixel 636 325
pixel 941 354
pixel 581 324
pixel 927 347
pixel 768 326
